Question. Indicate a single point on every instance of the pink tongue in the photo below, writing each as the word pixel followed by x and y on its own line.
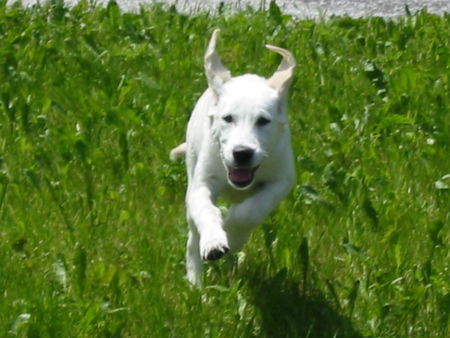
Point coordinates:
pixel 241 175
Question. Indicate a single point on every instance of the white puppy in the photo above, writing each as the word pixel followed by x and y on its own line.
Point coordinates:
pixel 237 148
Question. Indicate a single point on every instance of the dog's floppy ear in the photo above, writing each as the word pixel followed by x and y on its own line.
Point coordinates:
pixel 282 78
pixel 216 73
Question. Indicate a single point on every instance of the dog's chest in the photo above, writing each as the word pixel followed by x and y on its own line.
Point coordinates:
pixel 233 196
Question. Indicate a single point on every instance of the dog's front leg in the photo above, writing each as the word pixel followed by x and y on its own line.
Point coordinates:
pixel 194 266
pixel 245 216
pixel 207 220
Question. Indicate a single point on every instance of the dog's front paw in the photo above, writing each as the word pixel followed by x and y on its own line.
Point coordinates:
pixel 216 253
pixel 213 248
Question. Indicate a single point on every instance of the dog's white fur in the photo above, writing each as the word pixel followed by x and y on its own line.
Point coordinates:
pixel 238 148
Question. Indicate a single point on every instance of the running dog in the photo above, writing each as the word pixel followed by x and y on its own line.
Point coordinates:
pixel 237 148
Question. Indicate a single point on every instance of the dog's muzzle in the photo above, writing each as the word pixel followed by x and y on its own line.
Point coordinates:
pixel 241 175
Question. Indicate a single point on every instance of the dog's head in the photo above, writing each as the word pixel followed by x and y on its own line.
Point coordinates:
pixel 249 115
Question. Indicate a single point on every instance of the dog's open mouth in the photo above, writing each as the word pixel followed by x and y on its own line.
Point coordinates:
pixel 241 177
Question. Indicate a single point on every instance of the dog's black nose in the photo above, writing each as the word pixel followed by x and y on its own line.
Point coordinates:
pixel 243 155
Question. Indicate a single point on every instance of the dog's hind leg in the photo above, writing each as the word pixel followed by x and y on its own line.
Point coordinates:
pixel 194 265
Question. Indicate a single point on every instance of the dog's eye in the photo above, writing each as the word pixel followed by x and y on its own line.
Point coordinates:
pixel 262 121
pixel 228 118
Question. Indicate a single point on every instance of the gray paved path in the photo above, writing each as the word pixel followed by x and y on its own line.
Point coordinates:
pixel 300 8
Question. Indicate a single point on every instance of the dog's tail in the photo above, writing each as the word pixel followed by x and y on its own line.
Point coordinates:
pixel 178 152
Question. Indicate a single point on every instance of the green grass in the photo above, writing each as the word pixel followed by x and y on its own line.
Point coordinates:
pixel 92 228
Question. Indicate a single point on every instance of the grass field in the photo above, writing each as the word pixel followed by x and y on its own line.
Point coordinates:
pixel 92 228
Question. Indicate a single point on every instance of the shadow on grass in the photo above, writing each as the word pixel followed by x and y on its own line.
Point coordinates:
pixel 286 312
